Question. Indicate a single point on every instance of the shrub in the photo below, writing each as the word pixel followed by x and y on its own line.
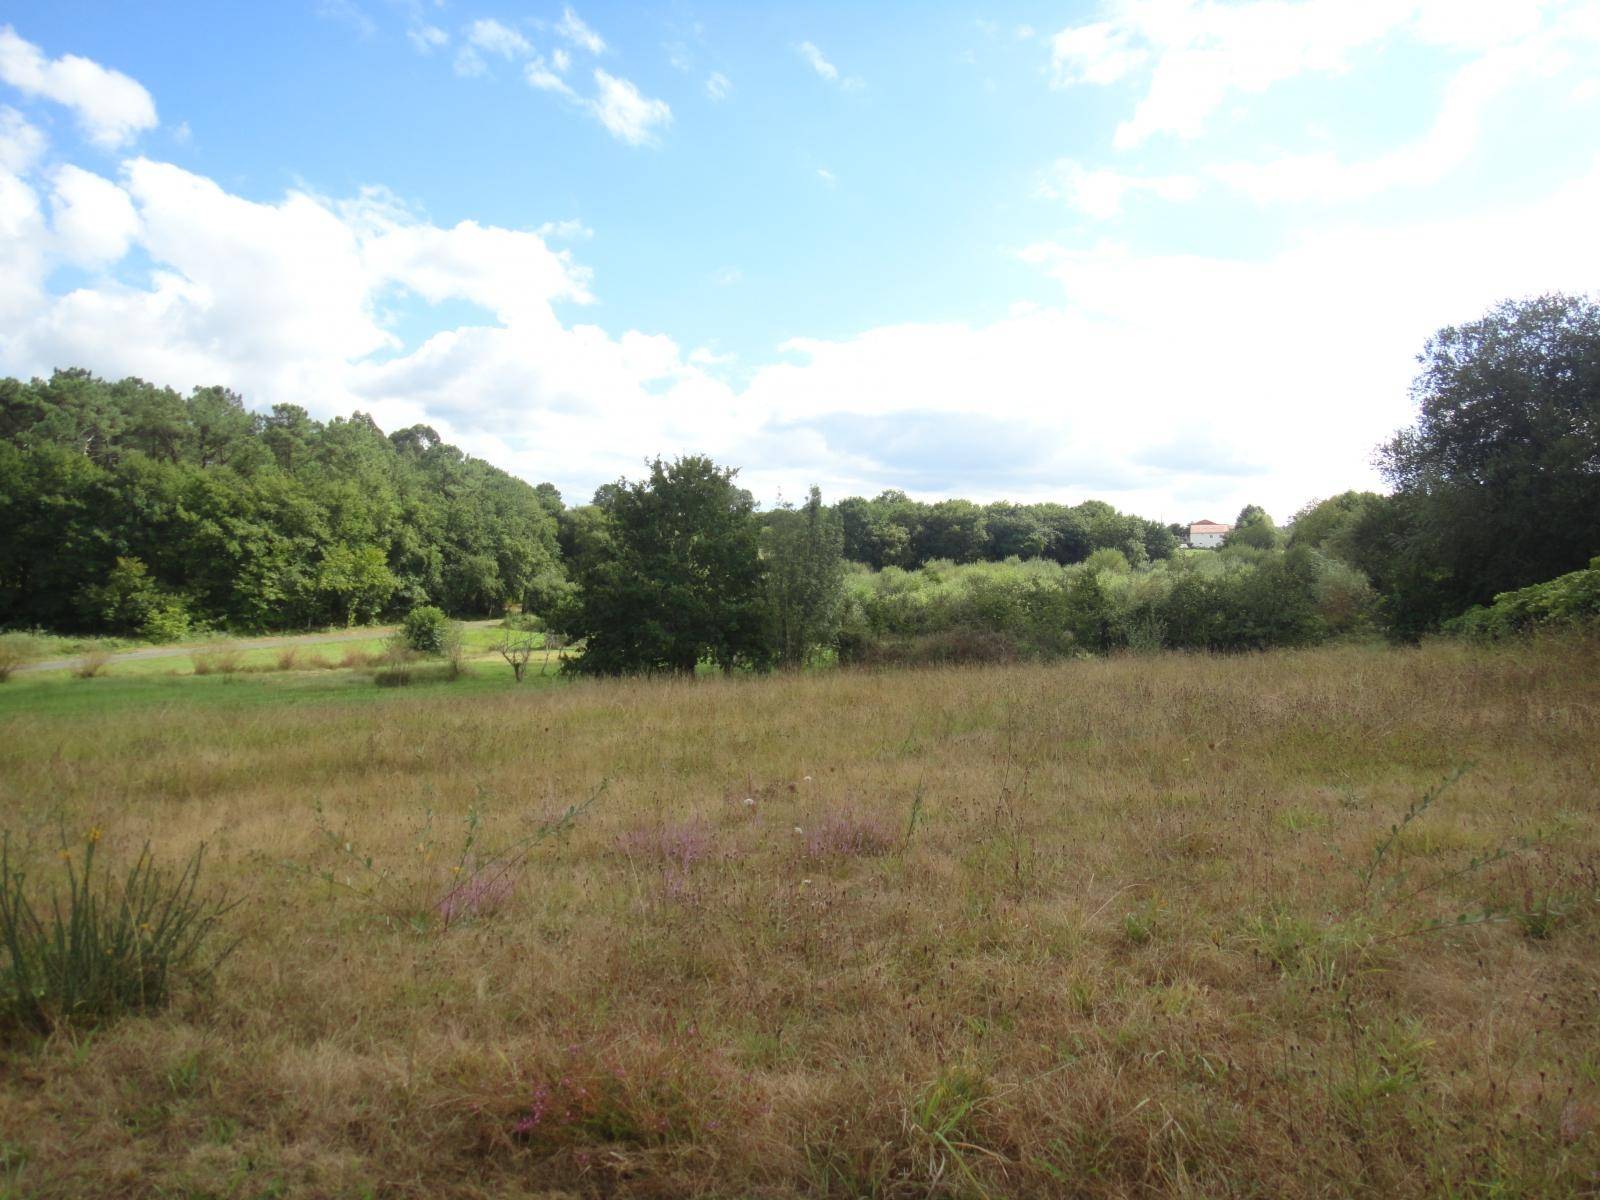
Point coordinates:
pixel 92 663
pixel 221 659
pixel 15 649
pixel 1570 599
pixel 425 629
pixel 289 658
pixel 102 949
pixel 167 621
pixel 454 648
pixel 523 622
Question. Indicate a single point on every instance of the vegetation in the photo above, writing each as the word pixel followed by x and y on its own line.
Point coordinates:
pixel 134 510
pixel 1237 599
pixel 1139 925
pixel 1568 600
pixel 101 949
pixel 681 581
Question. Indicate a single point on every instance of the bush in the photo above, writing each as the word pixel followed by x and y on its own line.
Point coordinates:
pixel 103 949
pixel 1570 599
pixel 168 621
pixel 15 649
pixel 454 649
pixel 425 629
pixel 523 622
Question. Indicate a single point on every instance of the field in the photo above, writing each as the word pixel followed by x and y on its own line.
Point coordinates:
pixel 1317 923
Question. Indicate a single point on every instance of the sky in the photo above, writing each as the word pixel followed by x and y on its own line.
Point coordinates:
pixel 1179 255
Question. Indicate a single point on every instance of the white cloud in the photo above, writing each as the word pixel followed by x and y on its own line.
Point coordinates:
pixel 727 276
pixel 570 230
pixel 539 75
pixel 819 64
pixel 493 37
pixel 629 116
pixel 21 144
pixel 825 69
pixel 560 59
pixel 1101 192
pixel 718 86
pixel 93 218
pixel 572 28
pixel 111 108
pixel 827 177
pixel 24 244
pixel 427 38
pixel 1165 383
pixel 1200 52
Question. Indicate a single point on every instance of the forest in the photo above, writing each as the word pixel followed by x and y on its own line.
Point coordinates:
pixel 135 510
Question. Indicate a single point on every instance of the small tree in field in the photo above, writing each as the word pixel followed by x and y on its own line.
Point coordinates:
pixel 682 582
pixel 517 650
pixel 802 551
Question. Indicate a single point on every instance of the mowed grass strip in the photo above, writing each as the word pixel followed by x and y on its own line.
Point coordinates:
pixel 1128 927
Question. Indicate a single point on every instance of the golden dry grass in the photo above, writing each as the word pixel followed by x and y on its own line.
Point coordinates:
pixel 1122 949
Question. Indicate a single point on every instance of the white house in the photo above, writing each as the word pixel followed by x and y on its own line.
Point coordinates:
pixel 1207 535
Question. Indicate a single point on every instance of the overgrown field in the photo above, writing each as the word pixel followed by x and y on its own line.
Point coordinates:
pixel 1136 926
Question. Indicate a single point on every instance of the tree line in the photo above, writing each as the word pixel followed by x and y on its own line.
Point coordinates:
pixel 131 508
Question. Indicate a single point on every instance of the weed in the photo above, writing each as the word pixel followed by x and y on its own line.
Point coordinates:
pixel 104 949
pixel 849 835
pixel 220 659
pixel 940 1124
pixel 92 664
pixel 289 658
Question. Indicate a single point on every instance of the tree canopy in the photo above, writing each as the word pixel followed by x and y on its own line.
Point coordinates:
pixel 681 581
pixel 124 499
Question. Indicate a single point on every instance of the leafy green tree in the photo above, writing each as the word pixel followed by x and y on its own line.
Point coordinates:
pixel 1498 482
pixel 1321 524
pixel 801 551
pixel 1013 531
pixel 1254 528
pixel 952 529
pixel 683 581
pixel 358 580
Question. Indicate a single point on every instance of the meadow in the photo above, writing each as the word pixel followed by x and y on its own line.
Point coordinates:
pixel 1319 922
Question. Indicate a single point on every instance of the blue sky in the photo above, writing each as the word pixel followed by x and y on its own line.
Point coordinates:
pixel 1178 254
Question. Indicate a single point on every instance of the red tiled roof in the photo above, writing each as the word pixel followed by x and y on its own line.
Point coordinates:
pixel 1208 527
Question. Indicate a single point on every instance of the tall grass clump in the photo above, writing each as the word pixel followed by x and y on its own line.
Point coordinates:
pixel 102 947
pixel 92 664
pixel 15 649
pixel 221 659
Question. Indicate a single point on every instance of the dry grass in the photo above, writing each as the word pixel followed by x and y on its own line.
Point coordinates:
pixel 92 664
pixel 1118 928
pixel 220 658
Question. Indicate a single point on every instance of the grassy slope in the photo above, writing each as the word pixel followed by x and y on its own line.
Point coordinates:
pixel 1122 953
